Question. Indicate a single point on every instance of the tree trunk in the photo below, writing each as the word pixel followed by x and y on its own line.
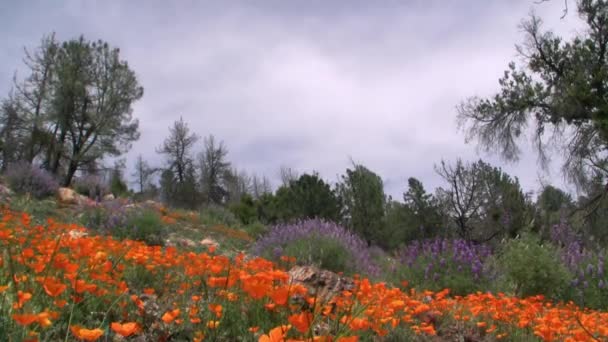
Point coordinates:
pixel 71 171
pixel 55 162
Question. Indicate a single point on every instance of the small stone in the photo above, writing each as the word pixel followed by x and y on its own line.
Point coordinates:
pixel 67 196
pixel 209 242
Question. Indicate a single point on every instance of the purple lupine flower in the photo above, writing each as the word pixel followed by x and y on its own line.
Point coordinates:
pixel 282 234
pixel 589 269
pixel 454 255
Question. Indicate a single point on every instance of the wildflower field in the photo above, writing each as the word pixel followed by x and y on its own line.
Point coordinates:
pixel 60 282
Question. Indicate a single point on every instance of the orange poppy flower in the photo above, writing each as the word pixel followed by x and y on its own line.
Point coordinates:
pixel 86 334
pixel 216 309
pixel 429 330
pixel 22 297
pixel 53 287
pixel 276 334
pixel 170 316
pixel 25 319
pixel 348 339
pixel 280 295
pixel 301 321
pixel 125 329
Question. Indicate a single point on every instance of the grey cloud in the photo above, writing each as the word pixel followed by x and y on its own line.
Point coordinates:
pixel 304 84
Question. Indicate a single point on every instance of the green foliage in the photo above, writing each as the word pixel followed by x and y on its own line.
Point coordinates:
pixel 423 211
pixel 460 281
pixel 215 172
pixel 136 224
pixel 179 187
pixel 552 206
pixel 481 201
pixel 559 89
pixel 76 104
pixel 118 187
pixel 144 225
pixel 307 197
pixel 180 194
pixel 591 214
pixel 213 215
pixel 592 283
pixel 256 229
pixel 267 208
pixel 245 210
pixel 323 252
pixel 362 194
pixel 530 268
pixel 399 228
pixel 40 210
pixel 552 199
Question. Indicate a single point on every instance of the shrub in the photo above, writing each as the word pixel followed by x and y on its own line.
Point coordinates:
pixel 284 238
pixel 114 219
pixel 589 286
pixel 39 210
pixel 245 210
pixel 25 178
pixel 145 225
pixel 256 229
pixel 328 254
pixel 106 217
pixel 436 264
pixel 217 215
pixel 530 268
pixel 586 263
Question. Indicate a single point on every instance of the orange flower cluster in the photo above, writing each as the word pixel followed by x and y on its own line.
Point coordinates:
pixel 56 276
pixel 548 321
pixel 233 233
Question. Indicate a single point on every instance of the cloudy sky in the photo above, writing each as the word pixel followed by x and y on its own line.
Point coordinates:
pixel 303 84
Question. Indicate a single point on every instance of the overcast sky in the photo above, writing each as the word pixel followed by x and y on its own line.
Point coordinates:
pixel 304 84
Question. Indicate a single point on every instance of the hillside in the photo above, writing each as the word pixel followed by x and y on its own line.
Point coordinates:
pixel 62 281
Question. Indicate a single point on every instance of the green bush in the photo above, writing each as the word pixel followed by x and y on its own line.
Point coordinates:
pixel 118 187
pixel 325 253
pixel 256 229
pixel 216 215
pixel 39 210
pixel 245 210
pixel 590 278
pixel 530 268
pixel 136 224
pixel 145 225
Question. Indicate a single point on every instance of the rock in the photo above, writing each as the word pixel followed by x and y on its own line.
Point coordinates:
pixel 320 283
pixel 183 242
pixel 67 196
pixel 75 234
pixel 5 193
pixel 109 197
pixel 153 204
pixel 209 242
